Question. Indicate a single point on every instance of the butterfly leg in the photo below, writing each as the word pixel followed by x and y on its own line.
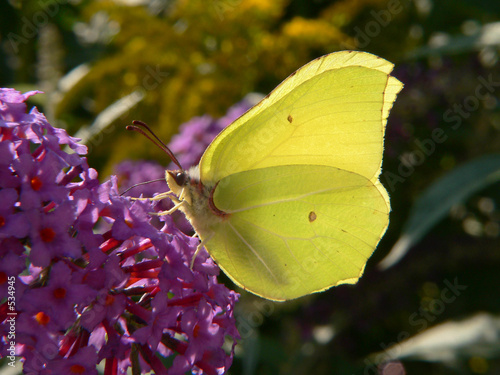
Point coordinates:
pixel 139 199
pixel 171 211
pixel 199 247
pixel 158 197
pixel 169 194
pixel 161 196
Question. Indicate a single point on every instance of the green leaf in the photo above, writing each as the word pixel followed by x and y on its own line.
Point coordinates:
pixel 435 202
pixel 450 342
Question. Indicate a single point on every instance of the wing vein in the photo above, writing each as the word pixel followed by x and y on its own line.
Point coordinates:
pixel 238 234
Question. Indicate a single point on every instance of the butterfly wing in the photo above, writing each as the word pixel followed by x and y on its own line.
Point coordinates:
pixel 330 112
pixel 298 177
pixel 296 229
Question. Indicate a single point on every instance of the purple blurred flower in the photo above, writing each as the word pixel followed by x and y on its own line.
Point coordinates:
pixel 130 173
pixel 93 280
pixel 195 135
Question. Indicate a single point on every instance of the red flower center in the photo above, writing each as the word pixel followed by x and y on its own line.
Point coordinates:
pixel 42 318
pixel 196 330
pixel 47 234
pixel 77 369
pixel 36 183
pixel 59 293
pixel 109 300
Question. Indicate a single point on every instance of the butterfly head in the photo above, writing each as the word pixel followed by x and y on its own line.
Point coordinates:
pixel 176 179
pixel 185 183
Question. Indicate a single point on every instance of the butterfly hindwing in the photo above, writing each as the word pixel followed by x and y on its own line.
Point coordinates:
pixel 297 229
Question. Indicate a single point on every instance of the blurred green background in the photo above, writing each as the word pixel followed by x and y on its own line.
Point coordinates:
pixel 429 302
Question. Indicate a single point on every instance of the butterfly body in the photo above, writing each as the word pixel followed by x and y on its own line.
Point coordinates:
pixel 287 198
pixel 196 199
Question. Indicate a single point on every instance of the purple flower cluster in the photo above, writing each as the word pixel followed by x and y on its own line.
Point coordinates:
pixel 85 277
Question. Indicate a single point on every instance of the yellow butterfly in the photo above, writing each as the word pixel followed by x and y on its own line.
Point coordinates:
pixel 287 199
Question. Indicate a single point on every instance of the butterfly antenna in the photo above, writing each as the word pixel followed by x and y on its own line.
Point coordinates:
pixel 138 126
pixel 141 183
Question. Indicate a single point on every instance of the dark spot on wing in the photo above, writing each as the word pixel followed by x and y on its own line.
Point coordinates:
pixel 290 118
pixel 312 216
